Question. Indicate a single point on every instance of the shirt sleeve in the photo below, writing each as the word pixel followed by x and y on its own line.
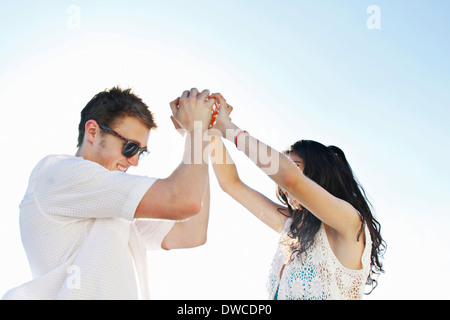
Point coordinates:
pixel 153 231
pixel 78 188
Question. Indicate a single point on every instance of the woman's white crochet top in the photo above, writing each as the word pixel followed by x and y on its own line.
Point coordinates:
pixel 317 274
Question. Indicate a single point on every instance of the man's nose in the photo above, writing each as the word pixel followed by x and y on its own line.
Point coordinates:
pixel 134 160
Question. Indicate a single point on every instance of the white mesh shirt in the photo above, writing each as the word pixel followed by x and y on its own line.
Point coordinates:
pixel 317 274
pixel 79 233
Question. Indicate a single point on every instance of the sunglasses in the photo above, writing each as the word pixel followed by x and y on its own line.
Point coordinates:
pixel 130 148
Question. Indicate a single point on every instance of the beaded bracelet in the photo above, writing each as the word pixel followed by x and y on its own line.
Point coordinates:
pixel 236 138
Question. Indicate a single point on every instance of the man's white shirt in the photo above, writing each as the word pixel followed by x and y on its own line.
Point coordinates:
pixel 79 233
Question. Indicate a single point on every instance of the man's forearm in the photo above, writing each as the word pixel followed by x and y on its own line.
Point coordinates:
pixel 190 177
pixel 191 232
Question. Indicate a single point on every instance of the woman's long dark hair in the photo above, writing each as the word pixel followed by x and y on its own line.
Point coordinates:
pixel 328 167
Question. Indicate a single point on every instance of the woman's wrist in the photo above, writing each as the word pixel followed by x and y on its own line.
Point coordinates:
pixel 237 136
pixel 231 132
pixel 225 130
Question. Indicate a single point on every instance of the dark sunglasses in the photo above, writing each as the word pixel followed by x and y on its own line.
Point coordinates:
pixel 130 148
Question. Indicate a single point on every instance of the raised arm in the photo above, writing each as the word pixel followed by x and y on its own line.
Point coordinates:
pixel 180 195
pixel 191 232
pixel 258 204
pixel 334 212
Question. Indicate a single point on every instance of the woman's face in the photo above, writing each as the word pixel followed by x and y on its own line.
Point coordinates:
pixel 300 164
pixel 297 160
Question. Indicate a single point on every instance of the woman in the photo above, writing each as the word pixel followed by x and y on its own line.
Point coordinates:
pixel 330 244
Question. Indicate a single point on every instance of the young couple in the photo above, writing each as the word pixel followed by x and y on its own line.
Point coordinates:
pixel 86 224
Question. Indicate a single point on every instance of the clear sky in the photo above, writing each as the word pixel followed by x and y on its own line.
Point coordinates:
pixel 374 82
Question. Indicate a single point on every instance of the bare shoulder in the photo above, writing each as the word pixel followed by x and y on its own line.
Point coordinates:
pixel 348 250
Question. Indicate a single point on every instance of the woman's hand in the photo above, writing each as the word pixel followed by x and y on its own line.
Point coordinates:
pixel 223 119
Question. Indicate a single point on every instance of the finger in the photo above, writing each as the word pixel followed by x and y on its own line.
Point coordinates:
pixel 210 102
pixel 193 93
pixel 228 109
pixel 216 95
pixel 185 94
pixel 204 94
pixel 174 105
pixel 219 98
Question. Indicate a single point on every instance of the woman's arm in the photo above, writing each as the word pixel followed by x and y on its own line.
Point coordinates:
pixel 179 196
pixel 336 213
pixel 227 175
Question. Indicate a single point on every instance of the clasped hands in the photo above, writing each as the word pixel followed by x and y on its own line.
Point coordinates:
pixel 194 110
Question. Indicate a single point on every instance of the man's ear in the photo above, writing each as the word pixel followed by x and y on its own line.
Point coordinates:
pixel 91 130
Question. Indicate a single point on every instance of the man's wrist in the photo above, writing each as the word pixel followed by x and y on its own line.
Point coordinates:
pixel 198 126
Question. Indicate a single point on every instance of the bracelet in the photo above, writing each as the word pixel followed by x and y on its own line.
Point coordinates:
pixel 236 138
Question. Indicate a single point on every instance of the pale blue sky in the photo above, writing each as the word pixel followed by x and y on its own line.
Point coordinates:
pixel 291 69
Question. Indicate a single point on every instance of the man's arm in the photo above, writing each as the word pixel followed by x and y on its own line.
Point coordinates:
pixel 180 195
pixel 191 232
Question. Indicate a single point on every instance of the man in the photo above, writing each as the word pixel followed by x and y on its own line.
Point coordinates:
pixel 86 224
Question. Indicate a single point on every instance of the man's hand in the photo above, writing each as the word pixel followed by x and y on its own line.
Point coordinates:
pixel 190 108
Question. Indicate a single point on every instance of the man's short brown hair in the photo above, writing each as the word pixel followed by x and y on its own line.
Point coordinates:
pixel 111 105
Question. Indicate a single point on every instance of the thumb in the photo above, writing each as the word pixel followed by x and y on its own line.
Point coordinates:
pixel 175 105
pixel 228 108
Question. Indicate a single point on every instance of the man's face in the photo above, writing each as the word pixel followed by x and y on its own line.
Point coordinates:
pixel 108 148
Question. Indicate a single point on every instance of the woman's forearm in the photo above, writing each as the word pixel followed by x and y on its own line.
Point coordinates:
pixel 275 164
pixel 224 167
